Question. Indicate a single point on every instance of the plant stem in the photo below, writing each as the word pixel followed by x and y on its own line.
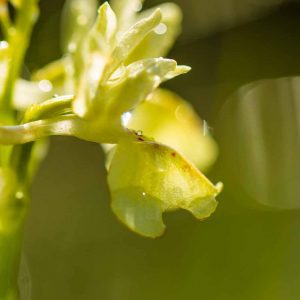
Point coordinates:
pixel 10 245
pixel 13 171
pixel 18 40
pixel 13 206
pixel 4 18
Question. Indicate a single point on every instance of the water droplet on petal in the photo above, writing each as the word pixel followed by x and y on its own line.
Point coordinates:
pixel 149 97
pixel 138 6
pixel 45 86
pixel 126 118
pixel 161 29
pixel 72 47
pixel 156 80
pixel 3 45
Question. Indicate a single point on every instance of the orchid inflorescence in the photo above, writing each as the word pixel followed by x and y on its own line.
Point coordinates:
pixel 105 89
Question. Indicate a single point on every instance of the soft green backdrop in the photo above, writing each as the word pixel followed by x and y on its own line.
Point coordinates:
pixel 75 248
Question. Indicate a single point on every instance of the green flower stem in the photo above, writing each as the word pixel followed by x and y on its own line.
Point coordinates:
pixel 29 132
pixel 18 40
pixel 5 19
pixel 13 206
pixel 14 202
pixel 10 245
pixel 13 188
pixel 69 125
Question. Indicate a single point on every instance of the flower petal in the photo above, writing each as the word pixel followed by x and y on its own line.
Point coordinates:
pixel 159 41
pixel 147 179
pixel 172 121
pixel 78 17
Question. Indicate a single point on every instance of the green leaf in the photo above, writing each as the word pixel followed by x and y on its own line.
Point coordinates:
pixel 147 179
pixel 172 121
pixel 159 41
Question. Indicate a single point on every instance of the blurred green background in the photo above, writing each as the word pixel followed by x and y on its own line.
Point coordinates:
pixel 74 247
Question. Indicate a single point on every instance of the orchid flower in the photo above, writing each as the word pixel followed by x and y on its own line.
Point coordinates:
pixel 109 80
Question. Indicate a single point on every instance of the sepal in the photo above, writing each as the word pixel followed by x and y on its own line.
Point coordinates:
pixel 134 85
pixel 159 41
pixel 126 11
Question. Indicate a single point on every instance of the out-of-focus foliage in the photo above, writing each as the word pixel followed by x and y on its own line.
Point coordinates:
pixel 260 136
pixel 208 17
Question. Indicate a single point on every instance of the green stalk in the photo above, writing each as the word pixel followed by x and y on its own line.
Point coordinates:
pixel 13 204
pixel 9 264
pixel 18 40
pixel 5 19
pixel 13 171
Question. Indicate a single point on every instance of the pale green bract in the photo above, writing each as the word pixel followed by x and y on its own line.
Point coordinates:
pixel 109 75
